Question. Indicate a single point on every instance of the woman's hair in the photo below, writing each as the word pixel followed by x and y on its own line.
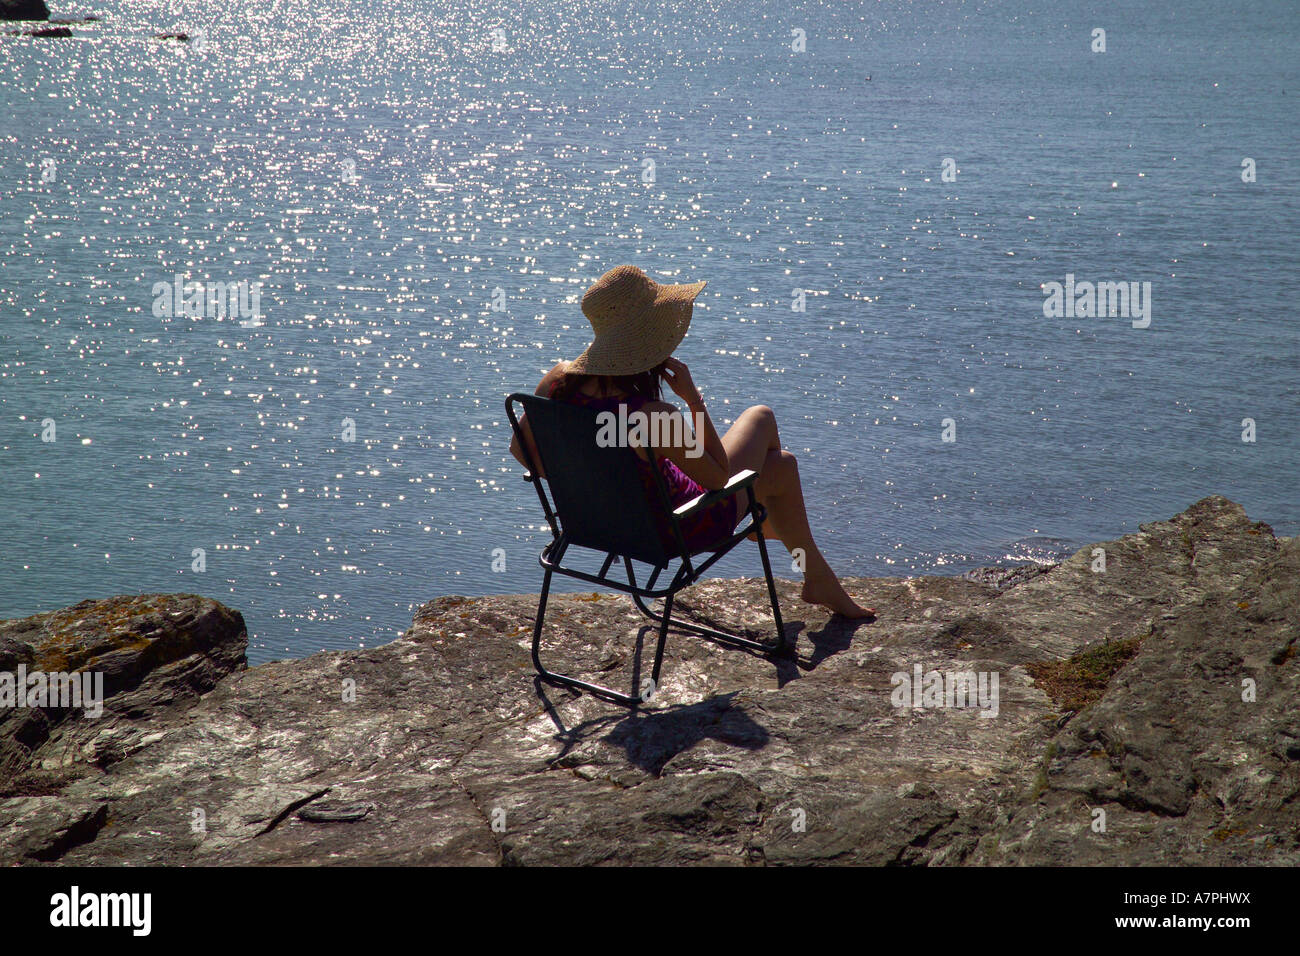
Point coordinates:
pixel 643 384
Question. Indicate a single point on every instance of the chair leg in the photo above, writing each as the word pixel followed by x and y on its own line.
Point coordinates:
pixel 663 639
pixel 699 630
pixel 664 621
pixel 781 645
pixel 563 680
pixel 538 621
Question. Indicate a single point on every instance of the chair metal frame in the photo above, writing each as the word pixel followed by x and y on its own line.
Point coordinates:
pixel 660 558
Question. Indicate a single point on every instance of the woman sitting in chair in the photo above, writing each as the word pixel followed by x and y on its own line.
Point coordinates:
pixel 638 324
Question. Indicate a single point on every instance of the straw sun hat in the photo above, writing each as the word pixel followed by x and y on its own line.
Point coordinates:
pixel 638 322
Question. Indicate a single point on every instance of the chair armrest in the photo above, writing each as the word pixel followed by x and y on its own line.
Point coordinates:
pixel 741 479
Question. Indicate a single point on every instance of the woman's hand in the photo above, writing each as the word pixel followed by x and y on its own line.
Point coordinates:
pixel 712 468
pixel 678 377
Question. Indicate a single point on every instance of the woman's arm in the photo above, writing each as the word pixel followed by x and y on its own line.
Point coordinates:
pixel 706 460
pixel 543 389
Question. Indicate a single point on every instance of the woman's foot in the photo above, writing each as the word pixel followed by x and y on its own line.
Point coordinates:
pixel 829 593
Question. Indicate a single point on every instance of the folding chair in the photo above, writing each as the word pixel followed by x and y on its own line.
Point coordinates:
pixel 600 503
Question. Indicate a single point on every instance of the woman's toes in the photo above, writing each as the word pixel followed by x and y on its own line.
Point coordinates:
pixel 832 596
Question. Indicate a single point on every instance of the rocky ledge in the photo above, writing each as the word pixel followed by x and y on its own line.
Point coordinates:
pixel 1146 714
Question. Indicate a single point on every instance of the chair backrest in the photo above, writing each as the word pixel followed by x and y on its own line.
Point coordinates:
pixel 599 496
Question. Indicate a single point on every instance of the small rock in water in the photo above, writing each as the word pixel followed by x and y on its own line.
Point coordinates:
pixel 42 32
pixel 1003 577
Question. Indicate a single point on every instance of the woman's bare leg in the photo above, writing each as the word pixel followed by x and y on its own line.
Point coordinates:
pixel 753 442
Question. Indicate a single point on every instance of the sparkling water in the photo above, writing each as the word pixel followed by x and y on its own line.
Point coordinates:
pixel 409 199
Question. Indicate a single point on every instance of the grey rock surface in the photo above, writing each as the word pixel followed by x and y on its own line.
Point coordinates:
pixel 440 748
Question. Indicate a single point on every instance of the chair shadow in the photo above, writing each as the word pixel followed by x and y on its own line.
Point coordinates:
pixel 835 636
pixel 649 739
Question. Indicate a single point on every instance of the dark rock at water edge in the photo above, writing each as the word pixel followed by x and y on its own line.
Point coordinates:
pixel 63 32
pixel 440 749
pixel 156 654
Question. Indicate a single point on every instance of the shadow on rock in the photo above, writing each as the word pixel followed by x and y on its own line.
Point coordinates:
pixel 835 636
pixel 650 739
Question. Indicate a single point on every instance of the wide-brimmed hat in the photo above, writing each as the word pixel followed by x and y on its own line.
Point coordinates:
pixel 638 322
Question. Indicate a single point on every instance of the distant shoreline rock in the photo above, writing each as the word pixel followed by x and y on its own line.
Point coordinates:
pixel 41 32
pixel 1158 697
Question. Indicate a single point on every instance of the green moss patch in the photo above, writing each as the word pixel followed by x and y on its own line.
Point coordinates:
pixel 1079 681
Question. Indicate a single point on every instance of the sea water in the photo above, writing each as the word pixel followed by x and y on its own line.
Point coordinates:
pixel 878 194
